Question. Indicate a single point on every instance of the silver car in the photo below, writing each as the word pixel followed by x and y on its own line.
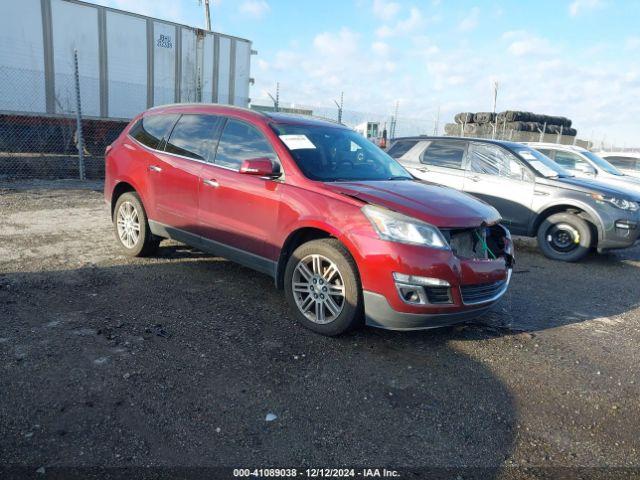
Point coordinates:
pixel 534 195
pixel 583 163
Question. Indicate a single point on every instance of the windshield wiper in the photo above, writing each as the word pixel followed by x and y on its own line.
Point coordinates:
pixel 398 177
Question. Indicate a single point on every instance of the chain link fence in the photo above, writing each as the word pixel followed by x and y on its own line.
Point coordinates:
pixel 62 145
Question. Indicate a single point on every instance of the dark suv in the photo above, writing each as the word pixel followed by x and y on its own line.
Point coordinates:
pixel 342 227
pixel 534 195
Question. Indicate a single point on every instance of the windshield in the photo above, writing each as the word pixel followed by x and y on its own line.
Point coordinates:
pixel 601 163
pixel 333 154
pixel 541 163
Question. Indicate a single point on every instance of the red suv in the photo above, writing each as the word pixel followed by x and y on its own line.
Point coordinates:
pixel 346 231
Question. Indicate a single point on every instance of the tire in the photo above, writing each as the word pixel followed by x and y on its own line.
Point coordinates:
pixel 130 206
pixel 331 253
pixel 553 240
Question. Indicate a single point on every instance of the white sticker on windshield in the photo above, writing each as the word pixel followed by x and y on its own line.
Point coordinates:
pixel 527 155
pixel 297 142
pixel 542 168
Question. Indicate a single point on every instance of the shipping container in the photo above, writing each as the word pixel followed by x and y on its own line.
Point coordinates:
pixel 127 62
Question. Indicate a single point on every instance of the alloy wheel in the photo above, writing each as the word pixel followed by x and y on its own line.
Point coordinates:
pixel 128 223
pixel 318 289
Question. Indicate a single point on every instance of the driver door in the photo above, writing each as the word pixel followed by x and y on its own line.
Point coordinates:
pixel 496 176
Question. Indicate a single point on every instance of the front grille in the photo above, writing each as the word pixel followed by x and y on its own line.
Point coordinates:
pixel 438 294
pixel 481 292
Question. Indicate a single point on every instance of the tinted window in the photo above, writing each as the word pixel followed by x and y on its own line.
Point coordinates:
pixel 569 160
pixel 195 136
pixel 624 162
pixel 444 154
pixel 548 153
pixel 150 129
pixel 494 160
pixel 239 142
pixel 335 154
pixel 401 147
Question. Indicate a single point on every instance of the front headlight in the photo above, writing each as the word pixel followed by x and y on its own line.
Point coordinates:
pixel 621 203
pixel 396 227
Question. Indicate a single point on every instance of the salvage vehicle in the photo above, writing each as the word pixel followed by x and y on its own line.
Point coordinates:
pixel 585 164
pixel 535 196
pixel 627 162
pixel 343 228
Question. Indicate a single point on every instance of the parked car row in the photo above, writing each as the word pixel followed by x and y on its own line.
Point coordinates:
pixel 569 198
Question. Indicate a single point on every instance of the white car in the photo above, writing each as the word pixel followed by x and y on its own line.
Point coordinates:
pixel 627 162
pixel 586 164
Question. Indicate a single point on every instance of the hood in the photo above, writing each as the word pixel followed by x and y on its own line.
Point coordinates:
pixel 588 185
pixel 431 203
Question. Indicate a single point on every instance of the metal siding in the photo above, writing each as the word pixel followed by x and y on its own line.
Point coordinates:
pixel 188 77
pixel 22 60
pixel 164 63
pixel 127 65
pixel 224 64
pixel 242 73
pixel 207 69
pixel 83 37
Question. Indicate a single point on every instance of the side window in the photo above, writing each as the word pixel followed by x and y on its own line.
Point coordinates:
pixel 444 154
pixel 624 162
pixel 569 160
pixel 548 153
pixel 399 148
pixel 240 141
pixel 195 136
pixel 493 160
pixel 151 129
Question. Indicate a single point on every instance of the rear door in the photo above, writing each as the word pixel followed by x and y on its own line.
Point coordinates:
pixel 499 178
pixel 238 211
pixel 176 170
pixel 443 162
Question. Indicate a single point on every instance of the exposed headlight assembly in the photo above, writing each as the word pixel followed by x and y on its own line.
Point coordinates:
pixel 396 227
pixel 621 203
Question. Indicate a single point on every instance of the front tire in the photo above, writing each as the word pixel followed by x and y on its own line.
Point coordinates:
pixel 132 228
pixel 322 287
pixel 565 237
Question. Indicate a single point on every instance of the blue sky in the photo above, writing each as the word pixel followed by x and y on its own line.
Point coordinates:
pixel 577 58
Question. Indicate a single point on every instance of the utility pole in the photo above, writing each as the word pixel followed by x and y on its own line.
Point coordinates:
pixel 339 105
pixel 207 13
pixel 495 86
pixel 394 121
pixel 436 126
pixel 276 99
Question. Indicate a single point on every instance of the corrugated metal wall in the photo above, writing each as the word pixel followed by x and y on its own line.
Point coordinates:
pixel 127 62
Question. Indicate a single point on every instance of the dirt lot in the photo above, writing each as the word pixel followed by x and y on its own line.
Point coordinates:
pixel 177 360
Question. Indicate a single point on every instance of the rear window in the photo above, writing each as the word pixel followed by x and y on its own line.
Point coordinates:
pixel 401 147
pixel 195 136
pixel 151 129
pixel 444 154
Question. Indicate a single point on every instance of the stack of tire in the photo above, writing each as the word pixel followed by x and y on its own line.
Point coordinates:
pixel 483 123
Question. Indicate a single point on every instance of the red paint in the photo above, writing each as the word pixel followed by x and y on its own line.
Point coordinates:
pixel 257 215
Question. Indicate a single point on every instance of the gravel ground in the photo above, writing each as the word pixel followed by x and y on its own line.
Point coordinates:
pixel 179 359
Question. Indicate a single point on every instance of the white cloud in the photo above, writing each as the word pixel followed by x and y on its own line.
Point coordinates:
pixel 579 6
pixel 523 43
pixel 380 48
pixel 632 43
pixel 384 9
pixel 403 27
pixel 471 21
pixel 254 8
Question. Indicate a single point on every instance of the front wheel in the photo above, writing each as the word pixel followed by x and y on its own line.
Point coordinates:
pixel 565 236
pixel 322 287
pixel 132 228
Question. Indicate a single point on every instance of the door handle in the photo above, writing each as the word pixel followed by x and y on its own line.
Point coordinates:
pixel 211 183
pixel 474 179
pixel 154 168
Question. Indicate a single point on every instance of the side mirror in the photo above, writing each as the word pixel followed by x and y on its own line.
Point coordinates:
pixel 584 168
pixel 260 167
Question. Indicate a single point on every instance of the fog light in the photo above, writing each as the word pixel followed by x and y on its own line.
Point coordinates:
pixel 411 294
pixel 625 225
pixel 416 280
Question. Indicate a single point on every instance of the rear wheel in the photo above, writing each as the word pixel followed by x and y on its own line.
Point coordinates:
pixel 322 287
pixel 132 228
pixel 565 236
